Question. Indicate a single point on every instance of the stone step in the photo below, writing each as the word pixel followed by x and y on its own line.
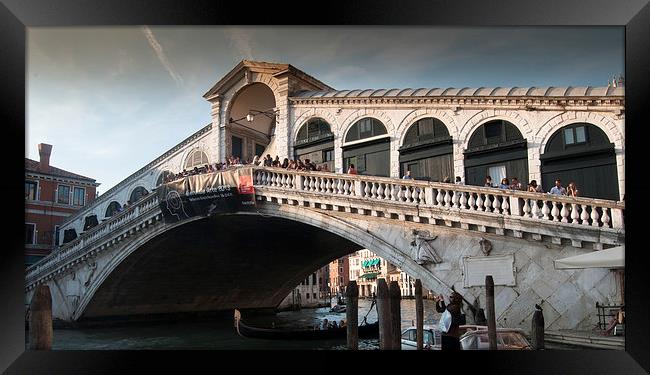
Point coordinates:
pixel 586 339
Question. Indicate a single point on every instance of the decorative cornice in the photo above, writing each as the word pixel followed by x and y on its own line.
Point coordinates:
pixel 529 103
pixel 46 177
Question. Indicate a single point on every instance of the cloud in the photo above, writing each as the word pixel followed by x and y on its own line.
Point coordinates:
pixel 161 55
pixel 242 42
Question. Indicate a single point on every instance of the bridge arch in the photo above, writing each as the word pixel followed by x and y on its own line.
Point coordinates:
pixel 137 193
pixel 195 158
pixel 419 114
pixel 314 140
pixel 162 175
pixel 486 116
pixel 339 227
pixel 112 208
pixel 370 154
pixel 604 122
pixel 245 137
pixel 311 114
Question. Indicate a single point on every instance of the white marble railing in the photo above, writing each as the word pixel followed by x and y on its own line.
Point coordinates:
pixel 533 206
pixel 84 242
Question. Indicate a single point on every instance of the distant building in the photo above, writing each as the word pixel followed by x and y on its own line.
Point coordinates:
pixel 339 275
pixel 51 194
pixel 354 264
pixel 366 267
pixel 372 267
pixel 309 293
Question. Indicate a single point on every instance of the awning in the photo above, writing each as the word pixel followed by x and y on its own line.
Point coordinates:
pixel 608 258
pixel 369 275
pixel 371 262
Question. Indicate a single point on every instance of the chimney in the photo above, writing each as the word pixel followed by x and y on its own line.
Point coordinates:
pixel 44 151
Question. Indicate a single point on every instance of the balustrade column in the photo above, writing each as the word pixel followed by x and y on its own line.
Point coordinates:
pixel 594 217
pixel 463 200
pixel 617 218
pixel 298 179
pixel 357 188
pixel 515 206
pixel 584 215
pixel 428 196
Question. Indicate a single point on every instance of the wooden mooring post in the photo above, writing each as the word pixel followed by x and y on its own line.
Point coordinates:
pixel 383 315
pixel 396 314
pixel 40 322
pixel 419 315
pixel 537 331
pixel 352 315
pixel 492 322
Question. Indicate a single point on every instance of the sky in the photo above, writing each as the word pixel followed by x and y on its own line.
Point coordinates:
pixel 112 99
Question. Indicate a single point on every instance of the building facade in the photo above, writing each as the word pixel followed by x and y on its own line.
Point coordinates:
pixel 366 267
pixel 310 293
pixel 339 275
pixel 372 267
pixel 51 195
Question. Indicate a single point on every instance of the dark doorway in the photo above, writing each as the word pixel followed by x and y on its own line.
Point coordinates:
pixel 237 147
pixel 427 151
pixel 581 153
pixel 259 149
pixel 315 141
pixel 371 157
pixel 496 149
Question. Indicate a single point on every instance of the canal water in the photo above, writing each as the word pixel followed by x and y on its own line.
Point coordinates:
pixel 221 334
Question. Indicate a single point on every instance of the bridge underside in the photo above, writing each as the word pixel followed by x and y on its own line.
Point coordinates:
pixel 218 263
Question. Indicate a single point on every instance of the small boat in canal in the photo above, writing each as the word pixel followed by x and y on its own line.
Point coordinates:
pixel 365 331
pixel 338 309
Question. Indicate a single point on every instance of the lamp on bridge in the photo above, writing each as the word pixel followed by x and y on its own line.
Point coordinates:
pixel 271 113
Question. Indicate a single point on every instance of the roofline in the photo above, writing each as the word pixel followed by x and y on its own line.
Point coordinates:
pixel 63 178
pixel 282 69
pixel 77 176
pixel 468 92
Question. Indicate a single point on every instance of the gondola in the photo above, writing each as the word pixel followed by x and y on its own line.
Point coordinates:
pixel 365 331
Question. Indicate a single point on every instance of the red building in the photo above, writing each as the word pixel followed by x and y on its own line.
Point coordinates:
pixel 339 275
pixel 51 194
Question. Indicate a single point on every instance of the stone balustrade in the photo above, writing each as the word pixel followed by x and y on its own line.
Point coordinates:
pixel 571 211
pixel 86 241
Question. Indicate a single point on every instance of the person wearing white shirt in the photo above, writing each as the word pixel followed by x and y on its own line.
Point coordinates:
pixel 557 189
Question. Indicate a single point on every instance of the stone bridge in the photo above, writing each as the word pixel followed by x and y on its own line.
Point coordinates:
pixel 135 264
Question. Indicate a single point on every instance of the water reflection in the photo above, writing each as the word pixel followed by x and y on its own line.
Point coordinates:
pixel 221 334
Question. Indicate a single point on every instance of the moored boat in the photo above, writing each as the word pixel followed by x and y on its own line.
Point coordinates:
pixel 365 331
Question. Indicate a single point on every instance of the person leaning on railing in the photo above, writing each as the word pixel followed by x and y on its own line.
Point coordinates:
pixel 534 188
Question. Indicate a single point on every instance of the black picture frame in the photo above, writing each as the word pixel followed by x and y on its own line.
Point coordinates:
pixel 17 15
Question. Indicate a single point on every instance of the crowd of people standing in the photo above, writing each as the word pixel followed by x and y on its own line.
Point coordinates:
pixel 298 165
pixel 533 187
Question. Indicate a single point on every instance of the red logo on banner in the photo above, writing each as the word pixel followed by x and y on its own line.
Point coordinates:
pixel 246 185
